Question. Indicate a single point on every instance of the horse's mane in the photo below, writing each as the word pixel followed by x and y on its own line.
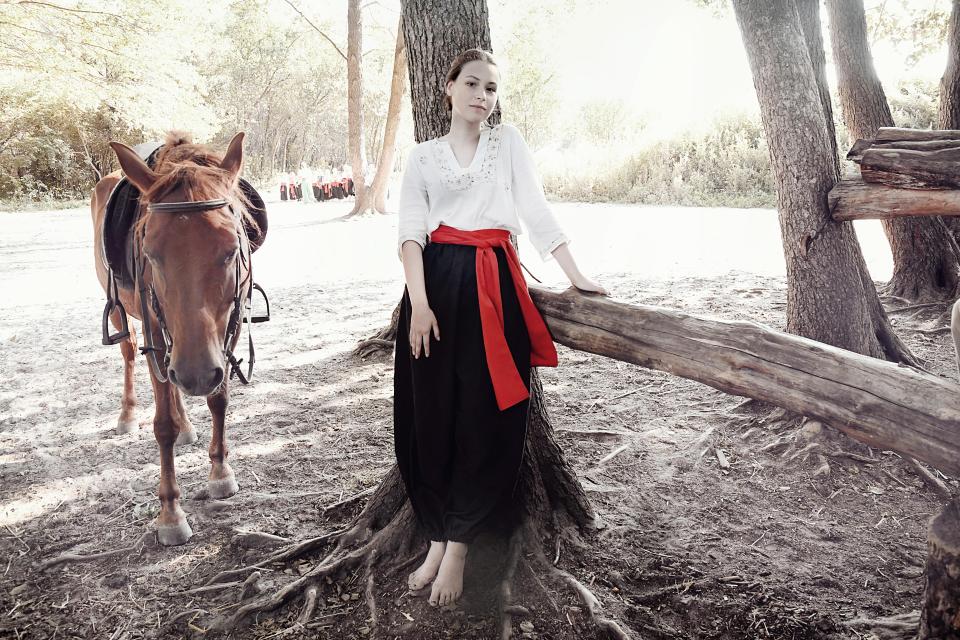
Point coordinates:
pixel 195 168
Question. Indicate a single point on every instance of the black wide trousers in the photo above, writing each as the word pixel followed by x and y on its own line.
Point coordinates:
pixel 459 455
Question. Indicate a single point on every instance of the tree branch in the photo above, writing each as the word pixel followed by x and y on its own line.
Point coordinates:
pixel 317 29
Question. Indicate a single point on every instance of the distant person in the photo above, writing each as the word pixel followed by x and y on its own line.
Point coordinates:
pixel 462 370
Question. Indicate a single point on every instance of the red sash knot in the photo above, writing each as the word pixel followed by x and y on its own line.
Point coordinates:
pixel 507 384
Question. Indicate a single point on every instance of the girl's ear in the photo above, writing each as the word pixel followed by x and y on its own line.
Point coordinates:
pixel 447 87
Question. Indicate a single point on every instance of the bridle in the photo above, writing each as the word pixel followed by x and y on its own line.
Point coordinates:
pixel 242 302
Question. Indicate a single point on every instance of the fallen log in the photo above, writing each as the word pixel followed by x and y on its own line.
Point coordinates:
pixel 885 405
pixel 899 134
pixel 856 151
pixel 912 168
pixel 854 199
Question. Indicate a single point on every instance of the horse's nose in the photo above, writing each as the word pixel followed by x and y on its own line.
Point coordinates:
pixel 200 383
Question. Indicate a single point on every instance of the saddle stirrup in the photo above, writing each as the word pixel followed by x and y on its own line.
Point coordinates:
pixel 113 302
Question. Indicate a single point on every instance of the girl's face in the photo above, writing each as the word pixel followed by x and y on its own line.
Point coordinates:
pixel 474 92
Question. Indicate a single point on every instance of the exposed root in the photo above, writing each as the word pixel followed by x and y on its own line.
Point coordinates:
pixel 507 610
pixel 292 551
pixel 901 627
pixel 370 597
pixel 916 307
pixel 348 501
pixel 142 543
pixel 309 606
pixel 382 342
pixel 932 481
pixel 609 626
pixel 339 561
pixel 251 586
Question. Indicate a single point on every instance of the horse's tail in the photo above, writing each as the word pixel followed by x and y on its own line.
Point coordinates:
pixel 175 138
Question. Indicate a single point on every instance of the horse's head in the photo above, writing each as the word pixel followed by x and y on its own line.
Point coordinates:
pixel 192 256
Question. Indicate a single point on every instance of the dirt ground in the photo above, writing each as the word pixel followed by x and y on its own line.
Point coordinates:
pixel 768 545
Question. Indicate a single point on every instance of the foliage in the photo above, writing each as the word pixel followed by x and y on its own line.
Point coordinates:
pixel 726 166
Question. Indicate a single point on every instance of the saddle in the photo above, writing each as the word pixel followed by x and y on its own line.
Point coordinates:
pixel 123 211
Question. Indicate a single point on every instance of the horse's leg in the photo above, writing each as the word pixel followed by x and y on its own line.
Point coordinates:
pixel 127 421
pixel 187 434
pixel 171 523
pixel 221 483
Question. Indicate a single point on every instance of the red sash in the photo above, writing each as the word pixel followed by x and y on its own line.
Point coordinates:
pixel 507 383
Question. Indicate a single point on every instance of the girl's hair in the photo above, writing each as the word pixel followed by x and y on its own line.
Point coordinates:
pixel 470 55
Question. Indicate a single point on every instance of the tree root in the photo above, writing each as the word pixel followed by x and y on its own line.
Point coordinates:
pixel 292 551
pixel 507 610
pixel 338 562
pixel 380 343
pixel 901 627
pixel 932 481
pixel 137 547
pixel 607 625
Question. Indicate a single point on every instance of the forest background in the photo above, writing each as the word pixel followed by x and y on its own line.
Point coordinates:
pixel 622 101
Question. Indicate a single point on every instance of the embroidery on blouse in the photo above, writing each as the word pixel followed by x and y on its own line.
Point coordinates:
pixel 464 179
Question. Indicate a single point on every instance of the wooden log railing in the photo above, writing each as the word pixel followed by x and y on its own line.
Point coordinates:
pixel 885 405
pixel 902 172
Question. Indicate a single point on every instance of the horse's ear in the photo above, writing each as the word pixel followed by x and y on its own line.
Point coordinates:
pixel 233 158
pixel 133 167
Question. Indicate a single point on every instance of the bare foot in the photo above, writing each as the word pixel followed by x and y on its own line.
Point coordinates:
pixel 427 571
pixel 449 583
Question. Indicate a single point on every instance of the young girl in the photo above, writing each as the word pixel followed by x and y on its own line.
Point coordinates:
pixel 460 401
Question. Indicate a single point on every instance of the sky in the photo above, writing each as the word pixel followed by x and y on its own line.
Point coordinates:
pixel 676 63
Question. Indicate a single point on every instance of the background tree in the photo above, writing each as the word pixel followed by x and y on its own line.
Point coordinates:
pixel 925 263
pixel 830 297
pixel 358 159
pixel 385 162
pixel 949 111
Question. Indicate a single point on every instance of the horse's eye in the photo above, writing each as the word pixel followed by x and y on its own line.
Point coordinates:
pixel 229 256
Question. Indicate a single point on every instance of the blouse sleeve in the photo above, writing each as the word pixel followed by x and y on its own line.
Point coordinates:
pixel 414 205
pixel 532 207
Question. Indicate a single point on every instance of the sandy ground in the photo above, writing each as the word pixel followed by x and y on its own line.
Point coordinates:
pixel 766 548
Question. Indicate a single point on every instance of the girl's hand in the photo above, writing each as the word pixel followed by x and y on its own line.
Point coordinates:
pixel 422 322
pixel 584 283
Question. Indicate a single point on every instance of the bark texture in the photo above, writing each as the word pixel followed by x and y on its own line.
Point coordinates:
pixel 355 105
pixel 398 87
pixel 949 110
pixel 940 616
pixel 925 266
pixel 830 296
pixel 854 199
pixel 436 31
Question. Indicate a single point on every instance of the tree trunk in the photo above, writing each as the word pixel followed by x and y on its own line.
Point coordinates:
pixel 940 617
pixel 436 31
pixel 830 297
pixel 355 105
pixel 397 88
pixel 924 264
pixel 949 110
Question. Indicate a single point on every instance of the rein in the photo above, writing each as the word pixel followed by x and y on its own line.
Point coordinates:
pixel 241 301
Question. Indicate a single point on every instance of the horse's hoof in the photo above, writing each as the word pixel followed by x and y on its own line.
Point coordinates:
pixel 127 426
pixel 186 437
pixel 223 487
pixel 171 535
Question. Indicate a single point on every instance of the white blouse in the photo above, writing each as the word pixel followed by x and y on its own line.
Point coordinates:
pixel 499 184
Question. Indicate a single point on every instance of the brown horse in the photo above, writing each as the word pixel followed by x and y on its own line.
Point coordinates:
pixel 192 259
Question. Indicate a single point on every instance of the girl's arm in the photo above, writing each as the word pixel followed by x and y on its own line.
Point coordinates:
pixel 422 320
pixel 565 259
pixel 533 208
